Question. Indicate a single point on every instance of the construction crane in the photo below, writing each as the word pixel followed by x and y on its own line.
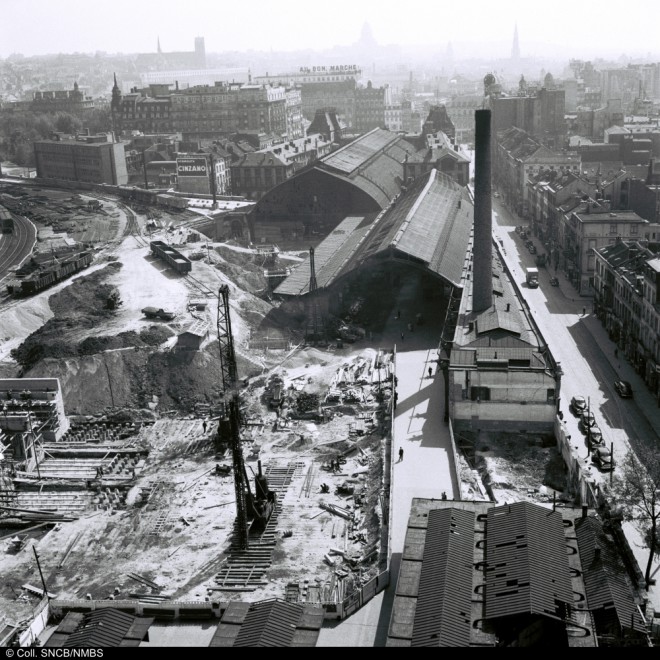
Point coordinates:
pixel 259 507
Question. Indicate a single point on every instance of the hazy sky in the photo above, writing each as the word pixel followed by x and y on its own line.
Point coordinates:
pixel 570 27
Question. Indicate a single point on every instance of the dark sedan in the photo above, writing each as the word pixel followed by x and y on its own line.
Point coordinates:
pixel 624 388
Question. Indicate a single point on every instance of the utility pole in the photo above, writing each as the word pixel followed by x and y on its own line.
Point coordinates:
pixel 43 582
pixel 213 182
pixel 588 427
pixel 612 459
pixel 144 169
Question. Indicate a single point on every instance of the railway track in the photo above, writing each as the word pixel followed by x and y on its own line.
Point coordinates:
pixel 246 569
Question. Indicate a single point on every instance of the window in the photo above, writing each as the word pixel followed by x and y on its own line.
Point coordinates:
pixel 480 394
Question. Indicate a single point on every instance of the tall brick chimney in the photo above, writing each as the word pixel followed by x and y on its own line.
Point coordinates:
pixel 482 285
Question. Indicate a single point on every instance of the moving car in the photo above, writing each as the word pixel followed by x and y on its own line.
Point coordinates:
pixel 603 459
pixel 578 404
pixel 496 194
pixel 624 388
pixel 554 281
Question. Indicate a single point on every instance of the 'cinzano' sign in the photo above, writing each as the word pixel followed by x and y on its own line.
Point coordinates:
pixel 191 167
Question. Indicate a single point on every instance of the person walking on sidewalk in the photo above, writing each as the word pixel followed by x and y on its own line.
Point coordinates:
pixel 430 372
pixel 400 454
pixel 204 426
pixel 402 336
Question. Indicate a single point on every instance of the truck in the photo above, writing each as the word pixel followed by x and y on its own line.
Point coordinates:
pixel 158 313
pixel 532 277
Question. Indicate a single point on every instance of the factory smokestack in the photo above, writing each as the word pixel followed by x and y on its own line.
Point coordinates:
pixel 482 284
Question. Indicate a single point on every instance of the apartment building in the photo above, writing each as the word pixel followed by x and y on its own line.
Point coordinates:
pixel 626 300
pixel 72 101
pixel 589 227
pixel 370 105
pixel 443 155
pixel 213 111
pixel 147 110
pixel 519 157
pixel 254 174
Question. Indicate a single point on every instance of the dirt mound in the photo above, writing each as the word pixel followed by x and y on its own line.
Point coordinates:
pixel 135 379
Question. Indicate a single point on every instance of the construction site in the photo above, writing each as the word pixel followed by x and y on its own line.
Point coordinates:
pixel 138 468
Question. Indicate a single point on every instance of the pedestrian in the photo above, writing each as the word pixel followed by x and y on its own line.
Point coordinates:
pixel 444 495
pixel 398 313
pixel 616 352
pixel 584 311
pixel 430 372
pixel 400 454
pixel 402 336
pixel 204 425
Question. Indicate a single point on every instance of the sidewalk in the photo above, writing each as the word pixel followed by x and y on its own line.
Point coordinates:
pixel 652 413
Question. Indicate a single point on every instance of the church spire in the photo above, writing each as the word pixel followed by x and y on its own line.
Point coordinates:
pixel 159 50
pixel 515 50
pixel 115 106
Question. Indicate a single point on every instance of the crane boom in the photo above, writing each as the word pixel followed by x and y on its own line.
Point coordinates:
pixel 229 426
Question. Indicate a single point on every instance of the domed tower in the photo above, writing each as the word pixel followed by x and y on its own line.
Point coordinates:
pixel 491 86
pixel 489 81
pixel 549 81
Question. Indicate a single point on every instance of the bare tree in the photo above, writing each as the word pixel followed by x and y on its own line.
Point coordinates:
pixel 636 490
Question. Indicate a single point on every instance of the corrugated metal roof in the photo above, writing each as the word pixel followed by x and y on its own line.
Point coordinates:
pixel 444 602
pixel 330 257
pixel 605 577
pixel 527 564
pixel 349 158
pixel 497 319
pixel 197 328
pixel 372 162
pixel 427 224
pixel 269 624
pixel 101 628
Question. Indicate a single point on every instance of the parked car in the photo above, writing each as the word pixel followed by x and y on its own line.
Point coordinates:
pixel 578 404
pixel 554 281
pixel 587 419
pixel 595 435
pixel 624 388
pixel 603 459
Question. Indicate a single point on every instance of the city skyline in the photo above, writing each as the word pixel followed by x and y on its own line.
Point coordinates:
pixel 486 29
